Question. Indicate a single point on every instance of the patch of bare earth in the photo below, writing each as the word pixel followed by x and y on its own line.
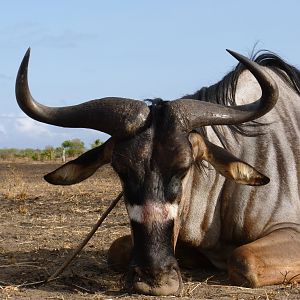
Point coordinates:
pixel 41 224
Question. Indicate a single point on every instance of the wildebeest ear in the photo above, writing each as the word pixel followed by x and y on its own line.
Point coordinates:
pixel 82 167
pixel 226 163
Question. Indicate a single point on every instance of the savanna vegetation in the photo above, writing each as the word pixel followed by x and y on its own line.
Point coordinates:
pixel 67 149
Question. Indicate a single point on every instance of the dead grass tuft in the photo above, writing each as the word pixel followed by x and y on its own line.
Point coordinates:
pixel 13 185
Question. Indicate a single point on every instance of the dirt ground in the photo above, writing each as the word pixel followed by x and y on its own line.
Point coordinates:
pixel 41 224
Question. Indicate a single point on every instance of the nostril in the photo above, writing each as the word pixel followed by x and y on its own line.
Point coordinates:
pixel 155 271
pixel 138 274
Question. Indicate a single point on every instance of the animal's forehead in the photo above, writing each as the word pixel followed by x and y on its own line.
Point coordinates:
pixel 139 145
pixel 149 151
pixel 161 138
pixel 152 141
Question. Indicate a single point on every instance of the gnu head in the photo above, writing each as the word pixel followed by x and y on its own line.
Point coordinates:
pixel 156 151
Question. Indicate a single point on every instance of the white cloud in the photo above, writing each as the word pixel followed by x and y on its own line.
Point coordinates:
pixel 29 126
pixel 20 131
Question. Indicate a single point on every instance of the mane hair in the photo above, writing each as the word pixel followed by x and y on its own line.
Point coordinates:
pixel 224 91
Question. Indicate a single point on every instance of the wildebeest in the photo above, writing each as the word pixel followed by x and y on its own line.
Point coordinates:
pixel 181 182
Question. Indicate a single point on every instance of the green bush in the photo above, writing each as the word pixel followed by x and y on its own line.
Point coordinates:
pixel 70 148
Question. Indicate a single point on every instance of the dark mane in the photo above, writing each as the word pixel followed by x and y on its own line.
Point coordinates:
pixel 224 91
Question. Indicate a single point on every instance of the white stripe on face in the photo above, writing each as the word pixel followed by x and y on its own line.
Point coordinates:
pixel 152 212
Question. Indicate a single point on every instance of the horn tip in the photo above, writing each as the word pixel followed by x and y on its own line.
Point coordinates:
pixel 241 58
pixel 26 56
pixel 234 54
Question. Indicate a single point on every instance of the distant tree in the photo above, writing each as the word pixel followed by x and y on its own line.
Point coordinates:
pixel 96 143
pixel 73 147
pixel 69 148
pixel 66 144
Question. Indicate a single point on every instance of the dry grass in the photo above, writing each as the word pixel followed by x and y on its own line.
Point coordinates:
pixel 14 186
pixel 42 224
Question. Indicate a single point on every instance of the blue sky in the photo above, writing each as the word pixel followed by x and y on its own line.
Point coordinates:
pixel 83 50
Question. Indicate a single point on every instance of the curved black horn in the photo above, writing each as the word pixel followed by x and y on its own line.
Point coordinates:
pixel 195 113
pixel 115 116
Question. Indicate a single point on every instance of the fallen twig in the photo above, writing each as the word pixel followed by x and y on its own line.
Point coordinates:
pixel 292 278
pixel 85 241
pixel 56 274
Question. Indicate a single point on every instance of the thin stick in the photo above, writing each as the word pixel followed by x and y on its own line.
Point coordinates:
pixel 85 241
